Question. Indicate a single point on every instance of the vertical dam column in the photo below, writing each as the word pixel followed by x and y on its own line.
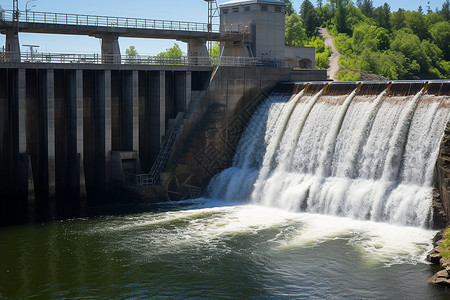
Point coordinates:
pixel 51 138
pixel 106 83
pixel 135 103
pixel 162 105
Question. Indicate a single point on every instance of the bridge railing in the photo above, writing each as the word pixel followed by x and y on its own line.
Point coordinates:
pixel 70 58
pixel 107 21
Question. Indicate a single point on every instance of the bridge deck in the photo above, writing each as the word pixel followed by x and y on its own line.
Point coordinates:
pixel 60 23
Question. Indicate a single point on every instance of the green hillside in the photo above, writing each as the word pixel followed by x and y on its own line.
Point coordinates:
pixel 395 45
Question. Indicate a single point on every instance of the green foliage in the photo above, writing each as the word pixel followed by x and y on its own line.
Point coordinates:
pixel 416 22
pixel 310 17
pixel 397 45
pixel 445 11
pixel 295 33
pixel 174 51
pixel 348 75
pixel 131 53
pixel 440 35
pixel 322 53
pixel 215 50
pixel 289 8
pixel 382 15
pixel 397 19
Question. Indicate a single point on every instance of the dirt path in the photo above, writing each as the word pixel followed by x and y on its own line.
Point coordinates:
pixel 334 58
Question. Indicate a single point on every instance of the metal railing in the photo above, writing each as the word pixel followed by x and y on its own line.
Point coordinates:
pixel 106 21
pixel 70 58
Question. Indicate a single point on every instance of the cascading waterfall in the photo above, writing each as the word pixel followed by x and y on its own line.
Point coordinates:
pixel 367 157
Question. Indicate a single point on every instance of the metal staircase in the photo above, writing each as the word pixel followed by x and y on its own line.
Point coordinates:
pixel 153 177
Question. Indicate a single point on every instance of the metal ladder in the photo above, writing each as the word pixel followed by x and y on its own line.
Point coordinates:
pixel 153 177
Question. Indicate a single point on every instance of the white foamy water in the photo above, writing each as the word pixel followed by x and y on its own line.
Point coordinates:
pixel 211 226
pixel 362 157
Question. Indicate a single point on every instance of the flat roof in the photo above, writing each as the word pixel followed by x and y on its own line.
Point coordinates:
pixel 246 2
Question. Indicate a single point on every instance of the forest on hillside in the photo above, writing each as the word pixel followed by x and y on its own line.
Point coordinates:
pixel 396 45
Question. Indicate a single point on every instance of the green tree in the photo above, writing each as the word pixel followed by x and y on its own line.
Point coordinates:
pixel 294 31
pixel 445 10
pixel 171 55
pixel 131 53
pixel 440 35
pixel 289 8
pixel 397 20
pixel 310 17
pixel 367 8
pixel 215 50
pixel 174 51
pixel 416 22
pixel 382 16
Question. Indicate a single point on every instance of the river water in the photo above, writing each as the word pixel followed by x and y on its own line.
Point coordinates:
pixel 209 249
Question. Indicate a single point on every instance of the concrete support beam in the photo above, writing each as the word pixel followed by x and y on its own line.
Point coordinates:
pixel 51 134
pixel 135 83
pixel 162 105
pixel 126 111
pixel 197 48
pixel 80 134
pixel 22 110
pixel 79 111
pixel 12 46
pixel 108 128
pixel 188 89
pixel 110 49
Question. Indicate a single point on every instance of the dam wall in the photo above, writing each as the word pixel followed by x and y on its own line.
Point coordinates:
pixel 70 132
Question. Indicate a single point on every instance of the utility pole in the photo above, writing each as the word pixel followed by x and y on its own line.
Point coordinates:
pixel 16 14
pixel 213 12
pixel 12 35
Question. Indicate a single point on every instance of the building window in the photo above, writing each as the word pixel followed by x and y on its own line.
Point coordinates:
pixel 235 9
pixel 247 8
pixel 225 10
pixel 264 8
pixel 278 8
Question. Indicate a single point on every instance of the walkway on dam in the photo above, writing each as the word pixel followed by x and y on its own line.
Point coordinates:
pixel 61 23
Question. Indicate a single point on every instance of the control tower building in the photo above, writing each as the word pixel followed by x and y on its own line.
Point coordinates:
pixel 258 28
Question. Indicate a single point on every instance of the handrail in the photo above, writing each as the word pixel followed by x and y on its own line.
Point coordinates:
pixel 106 21
pixel 94 58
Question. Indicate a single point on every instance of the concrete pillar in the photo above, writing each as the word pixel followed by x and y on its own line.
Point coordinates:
pixel 110 49
pixel 22 110
pixel 135 83
pixel 51 137
pixel 197 48
pixel 153 113
pixel 108 128
pixel 79 111
pixel 162 105
pixel 80 135
pixel 12 46
pixel 126 112
pixel 188 89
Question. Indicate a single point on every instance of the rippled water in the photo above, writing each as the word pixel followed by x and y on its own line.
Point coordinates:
pixel 215 250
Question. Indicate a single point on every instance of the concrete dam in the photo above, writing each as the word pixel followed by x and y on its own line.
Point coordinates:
pixel 71 133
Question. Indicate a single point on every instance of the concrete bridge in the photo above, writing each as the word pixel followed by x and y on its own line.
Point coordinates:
pixel 108 29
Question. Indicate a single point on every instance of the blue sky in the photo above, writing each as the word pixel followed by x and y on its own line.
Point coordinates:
pixel 180 10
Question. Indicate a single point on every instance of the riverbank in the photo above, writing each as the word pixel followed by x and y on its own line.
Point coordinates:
pixel 441 255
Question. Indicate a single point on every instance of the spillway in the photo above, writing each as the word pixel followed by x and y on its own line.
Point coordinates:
pixel 365 151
